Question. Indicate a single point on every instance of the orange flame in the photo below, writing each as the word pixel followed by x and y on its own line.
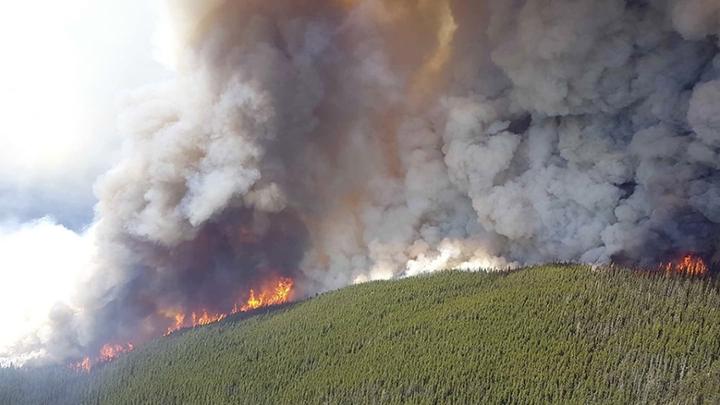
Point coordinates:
pixel 205 318
pixel 690 265
pixel 279 293
pixel 179 318
pixel 108 352
pixel 82 366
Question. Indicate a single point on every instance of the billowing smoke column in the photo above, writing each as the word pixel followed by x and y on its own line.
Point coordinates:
pixel 338 141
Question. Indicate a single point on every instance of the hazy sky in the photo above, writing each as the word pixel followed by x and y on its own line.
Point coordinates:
pixel 65 66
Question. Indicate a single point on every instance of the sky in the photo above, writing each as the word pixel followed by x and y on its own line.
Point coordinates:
pixel 65 68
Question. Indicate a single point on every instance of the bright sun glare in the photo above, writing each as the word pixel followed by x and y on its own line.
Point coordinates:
pixel 40 76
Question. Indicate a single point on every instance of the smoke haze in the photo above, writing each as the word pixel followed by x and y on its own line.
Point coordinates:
pixel 341 141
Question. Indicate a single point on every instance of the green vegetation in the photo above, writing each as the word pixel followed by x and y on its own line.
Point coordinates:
pixel 562 334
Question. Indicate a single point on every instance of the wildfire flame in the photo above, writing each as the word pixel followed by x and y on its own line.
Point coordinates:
pixel 83 365
pixel 108 352
pixel 278 293
pixel 195 319
pixel 179 319
pixel 689 264
pixel 274 294
pixel 205 318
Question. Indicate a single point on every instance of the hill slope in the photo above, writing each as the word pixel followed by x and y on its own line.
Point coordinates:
pixel 553 333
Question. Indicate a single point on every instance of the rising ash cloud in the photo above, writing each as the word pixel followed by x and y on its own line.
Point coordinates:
pixel 343 141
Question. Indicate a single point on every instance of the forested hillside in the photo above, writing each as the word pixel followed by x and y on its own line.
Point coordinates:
pixel 545 334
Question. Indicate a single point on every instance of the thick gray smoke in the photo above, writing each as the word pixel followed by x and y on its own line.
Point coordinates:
pixel 338 141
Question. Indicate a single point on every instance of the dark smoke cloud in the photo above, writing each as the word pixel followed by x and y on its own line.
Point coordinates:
pixel 349 140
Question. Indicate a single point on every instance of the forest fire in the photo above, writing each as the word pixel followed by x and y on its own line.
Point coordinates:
pixel 689 264
pixel 205 318
pixel 196 319
pixel 108 352
pixel 82 366
pixel 278 293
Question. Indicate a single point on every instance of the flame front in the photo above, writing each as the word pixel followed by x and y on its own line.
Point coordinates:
pixel 206 318
pixel 690 265
pixel 278 293
pixel 108 352
pixel 82 366
pixel 179 319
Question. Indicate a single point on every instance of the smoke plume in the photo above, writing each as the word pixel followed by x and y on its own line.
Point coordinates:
pixel 340 141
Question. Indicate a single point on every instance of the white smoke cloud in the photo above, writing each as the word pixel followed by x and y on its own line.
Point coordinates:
pixel 346 141
pixel 42 264
pixel 64 64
